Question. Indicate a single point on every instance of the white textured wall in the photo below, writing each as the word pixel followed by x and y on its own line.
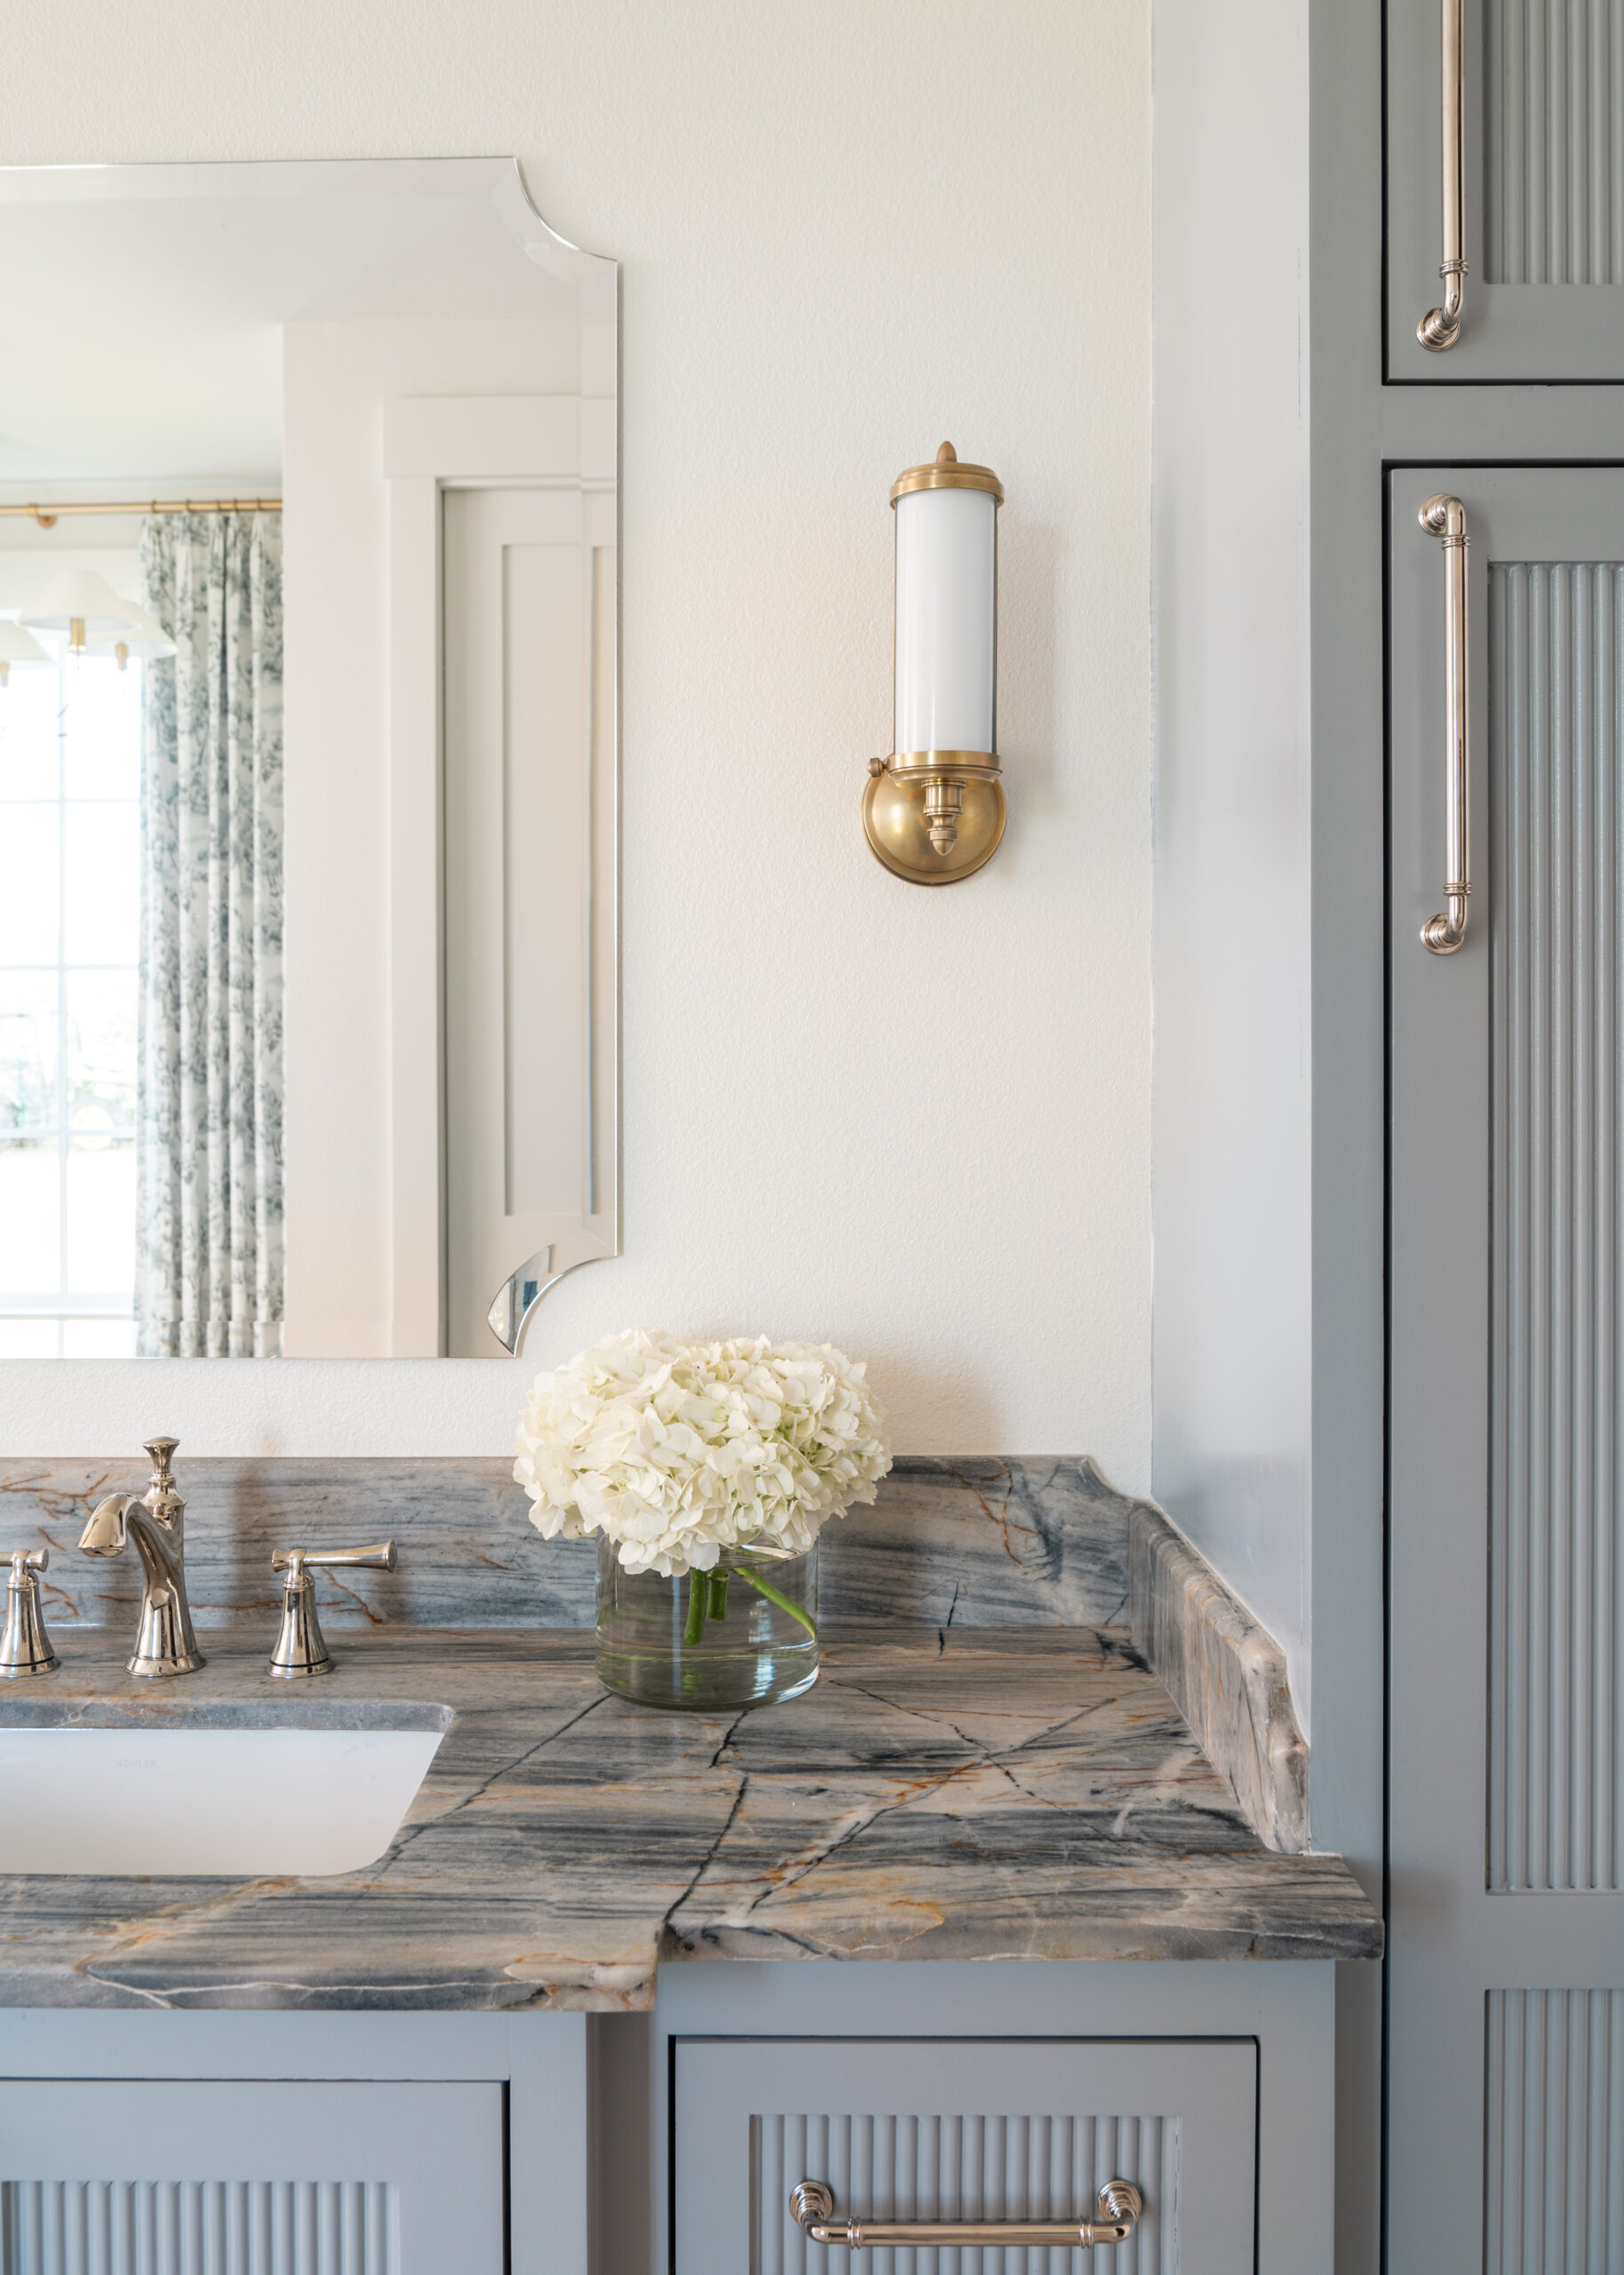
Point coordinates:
pixel 917 1122
pixel 1233 1248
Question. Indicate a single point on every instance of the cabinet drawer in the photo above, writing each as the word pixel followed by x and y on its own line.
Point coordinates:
pixel 962 2130
pixel 217 2178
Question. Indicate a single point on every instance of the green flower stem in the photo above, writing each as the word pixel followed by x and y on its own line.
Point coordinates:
pixel 775 1595
pixel 698 1606
pixel 719 1593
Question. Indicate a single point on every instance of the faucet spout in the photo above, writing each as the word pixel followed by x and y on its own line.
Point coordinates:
pixel 155 1522
pixel 104 1535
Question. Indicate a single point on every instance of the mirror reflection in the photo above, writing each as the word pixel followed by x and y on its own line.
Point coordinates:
pixel 308 760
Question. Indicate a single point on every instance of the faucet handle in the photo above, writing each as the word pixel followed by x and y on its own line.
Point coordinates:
pixel 161 1495
pixel 25 1647
pixel 300 1647
pixel 379 1557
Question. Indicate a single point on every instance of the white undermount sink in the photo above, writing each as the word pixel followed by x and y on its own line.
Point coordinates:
pixel 183 1798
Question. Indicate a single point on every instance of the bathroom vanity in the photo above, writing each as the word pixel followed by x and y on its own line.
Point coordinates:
pixel 969 1931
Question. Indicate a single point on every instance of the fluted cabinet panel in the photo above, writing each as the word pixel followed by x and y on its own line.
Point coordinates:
pixel 1555 2139
pixel 963 2131
pixel 1554 184
pixel 206 2227
pixel 962 2168
pixel 1556 1706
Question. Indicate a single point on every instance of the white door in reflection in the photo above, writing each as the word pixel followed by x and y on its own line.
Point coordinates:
pixel 530 913
pixel 71 763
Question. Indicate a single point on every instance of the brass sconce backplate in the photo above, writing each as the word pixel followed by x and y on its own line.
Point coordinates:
pixel 899 828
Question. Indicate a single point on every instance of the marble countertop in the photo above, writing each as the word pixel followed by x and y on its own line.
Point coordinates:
pixel 955 1795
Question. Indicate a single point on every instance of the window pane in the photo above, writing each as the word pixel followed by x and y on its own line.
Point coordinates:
pixel 28 884
pixel 28 733
pixel 97 1339
pixel 101 1216
pixel 103 883
pixel 77 727
pixel 28 1055
pixel 30 1253
pixel 101 1015
pixel 103 743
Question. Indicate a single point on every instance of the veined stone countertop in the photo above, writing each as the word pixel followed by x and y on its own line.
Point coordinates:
pixel 955 1794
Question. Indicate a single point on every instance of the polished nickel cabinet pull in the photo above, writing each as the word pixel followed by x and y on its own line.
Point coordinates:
pixel 1440 327
pixel 1116 2211
pixel 1445 517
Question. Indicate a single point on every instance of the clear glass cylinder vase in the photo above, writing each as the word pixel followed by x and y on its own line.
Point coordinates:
pixel 742 1634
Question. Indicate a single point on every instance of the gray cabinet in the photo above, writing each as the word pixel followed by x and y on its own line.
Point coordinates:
pixel 315 2143
pixel 1354 1367
pixel 172 2177
pixel 962 2130
pixel 1543 190
pixel 1506 1917
pixel 218 2142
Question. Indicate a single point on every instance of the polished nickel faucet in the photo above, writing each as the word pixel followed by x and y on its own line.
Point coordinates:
pixel 301 1649
pixel 164 1643
pixel 25 1647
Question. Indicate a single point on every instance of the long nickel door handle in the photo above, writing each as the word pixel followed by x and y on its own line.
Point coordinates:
pixel 1116 2211
pixel 1440 327
pixel 1445 517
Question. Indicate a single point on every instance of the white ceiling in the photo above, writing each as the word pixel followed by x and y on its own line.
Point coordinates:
pixel 141 306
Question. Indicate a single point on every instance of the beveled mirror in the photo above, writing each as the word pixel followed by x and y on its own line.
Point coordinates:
pixel 308 760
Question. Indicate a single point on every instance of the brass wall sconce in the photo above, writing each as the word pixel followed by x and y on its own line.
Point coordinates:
pixel 933 811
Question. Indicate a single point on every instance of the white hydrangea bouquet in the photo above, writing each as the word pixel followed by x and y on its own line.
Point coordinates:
pixel 677 1452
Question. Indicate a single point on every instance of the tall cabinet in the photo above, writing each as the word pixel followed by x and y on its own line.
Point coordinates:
pixel 1389 1353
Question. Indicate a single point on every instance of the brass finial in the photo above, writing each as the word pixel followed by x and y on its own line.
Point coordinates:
pixel 947 471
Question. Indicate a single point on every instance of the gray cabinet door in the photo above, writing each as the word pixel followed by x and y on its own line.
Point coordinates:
pixel 962 2130
pixel 1506 2046
pixel 1544 207
pixel 217 2178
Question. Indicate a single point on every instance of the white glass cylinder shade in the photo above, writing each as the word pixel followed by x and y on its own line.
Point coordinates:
pixel 946 621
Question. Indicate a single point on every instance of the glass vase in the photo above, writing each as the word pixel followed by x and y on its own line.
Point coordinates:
pixel 742 1634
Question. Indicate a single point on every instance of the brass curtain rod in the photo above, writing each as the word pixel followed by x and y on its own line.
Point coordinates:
pixel 46 515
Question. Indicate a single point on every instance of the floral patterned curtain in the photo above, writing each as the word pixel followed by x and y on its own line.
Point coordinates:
pixel 209 1264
